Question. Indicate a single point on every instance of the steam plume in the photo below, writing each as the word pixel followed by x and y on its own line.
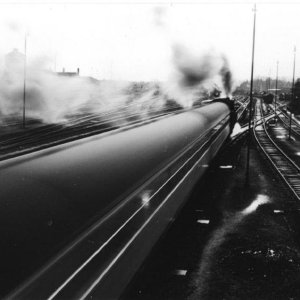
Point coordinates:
pixel 226 76
pixel 52 97
pixel 196 70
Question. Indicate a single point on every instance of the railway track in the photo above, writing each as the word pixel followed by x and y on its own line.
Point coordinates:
pixel 285 119
pixel 14 143
pixel 242 109
pixel 286 168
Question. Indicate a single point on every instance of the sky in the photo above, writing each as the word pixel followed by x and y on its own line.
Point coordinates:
pixel 134 40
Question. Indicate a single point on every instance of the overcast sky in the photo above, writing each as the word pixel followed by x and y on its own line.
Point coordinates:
pixel 133 40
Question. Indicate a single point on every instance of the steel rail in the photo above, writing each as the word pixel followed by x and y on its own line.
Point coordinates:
pixel 286 168
pixel 42 138
pixel 285 120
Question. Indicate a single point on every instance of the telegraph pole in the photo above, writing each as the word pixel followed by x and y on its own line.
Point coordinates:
pixel 293 92
pixel 24 89
pixel 276 89
pixel 251 96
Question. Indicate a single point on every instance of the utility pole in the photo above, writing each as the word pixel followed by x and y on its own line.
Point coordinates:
pixel 269 80
pixel 293 92
pixel 251 97
pixel 276 89
pixel 55 62
pixel 24 89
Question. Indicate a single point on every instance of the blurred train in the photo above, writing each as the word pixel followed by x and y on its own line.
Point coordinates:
pixel 78 219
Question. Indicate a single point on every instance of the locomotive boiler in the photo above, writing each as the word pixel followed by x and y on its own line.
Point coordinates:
pixel 78 219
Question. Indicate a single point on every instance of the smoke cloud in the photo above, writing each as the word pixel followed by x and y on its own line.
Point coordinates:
pixel 195 70
pixel 53 97
pixel 226 76
pixel 49 96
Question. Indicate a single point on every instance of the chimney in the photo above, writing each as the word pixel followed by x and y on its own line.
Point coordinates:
pixel 77 71
pixel 63 70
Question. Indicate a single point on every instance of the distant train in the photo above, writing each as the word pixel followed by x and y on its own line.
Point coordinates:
pixel 78 219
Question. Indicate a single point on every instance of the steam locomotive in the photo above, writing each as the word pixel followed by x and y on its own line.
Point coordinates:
pixel 78 219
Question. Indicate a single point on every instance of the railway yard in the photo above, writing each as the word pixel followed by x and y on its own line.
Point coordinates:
pixel 150 150
pixel 237 236
pixel 16 140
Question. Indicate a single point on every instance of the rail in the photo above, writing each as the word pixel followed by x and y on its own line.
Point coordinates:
pixel 286 122
pixel 286 168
